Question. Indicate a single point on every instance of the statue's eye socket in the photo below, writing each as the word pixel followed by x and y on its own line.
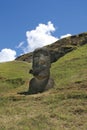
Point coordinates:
pixel 36 58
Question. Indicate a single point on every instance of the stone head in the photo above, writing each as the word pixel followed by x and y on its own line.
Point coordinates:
pixel 41 63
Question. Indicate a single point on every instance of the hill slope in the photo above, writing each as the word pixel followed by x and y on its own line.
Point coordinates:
pixel 63 107
pixel 60 47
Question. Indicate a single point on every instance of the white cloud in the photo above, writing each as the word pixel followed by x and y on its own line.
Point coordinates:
pixel 64 36
pixel 7 55
pixel 41 36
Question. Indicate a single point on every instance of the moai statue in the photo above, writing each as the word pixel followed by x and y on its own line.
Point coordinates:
pixel 41 71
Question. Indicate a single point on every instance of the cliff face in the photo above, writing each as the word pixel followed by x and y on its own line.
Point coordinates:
pixel 60 47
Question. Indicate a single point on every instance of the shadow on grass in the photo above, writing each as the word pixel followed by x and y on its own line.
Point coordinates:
pixel 24 93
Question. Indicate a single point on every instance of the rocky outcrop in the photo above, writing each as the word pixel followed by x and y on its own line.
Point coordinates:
pixel 60 47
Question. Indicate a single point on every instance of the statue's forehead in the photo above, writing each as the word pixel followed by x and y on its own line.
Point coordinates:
pixel 41 52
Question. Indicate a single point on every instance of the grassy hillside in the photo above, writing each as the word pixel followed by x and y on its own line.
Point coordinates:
pixel 13 75
pixel 62 108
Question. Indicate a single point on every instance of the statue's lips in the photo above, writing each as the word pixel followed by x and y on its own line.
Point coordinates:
pixel 41 75
pixel 38 72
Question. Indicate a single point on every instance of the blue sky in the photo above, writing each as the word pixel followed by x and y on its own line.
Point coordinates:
pixel 28 24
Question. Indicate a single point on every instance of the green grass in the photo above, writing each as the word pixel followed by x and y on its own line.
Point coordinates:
pixel 15 69
pixel 13 75
pixel 71 68
pixel 62 108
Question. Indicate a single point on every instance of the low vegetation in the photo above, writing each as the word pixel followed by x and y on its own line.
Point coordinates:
pixel 62 108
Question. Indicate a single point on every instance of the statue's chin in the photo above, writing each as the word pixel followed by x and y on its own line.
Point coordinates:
pixel 41 77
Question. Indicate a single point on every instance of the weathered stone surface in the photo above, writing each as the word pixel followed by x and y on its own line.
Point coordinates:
pixel 41 72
